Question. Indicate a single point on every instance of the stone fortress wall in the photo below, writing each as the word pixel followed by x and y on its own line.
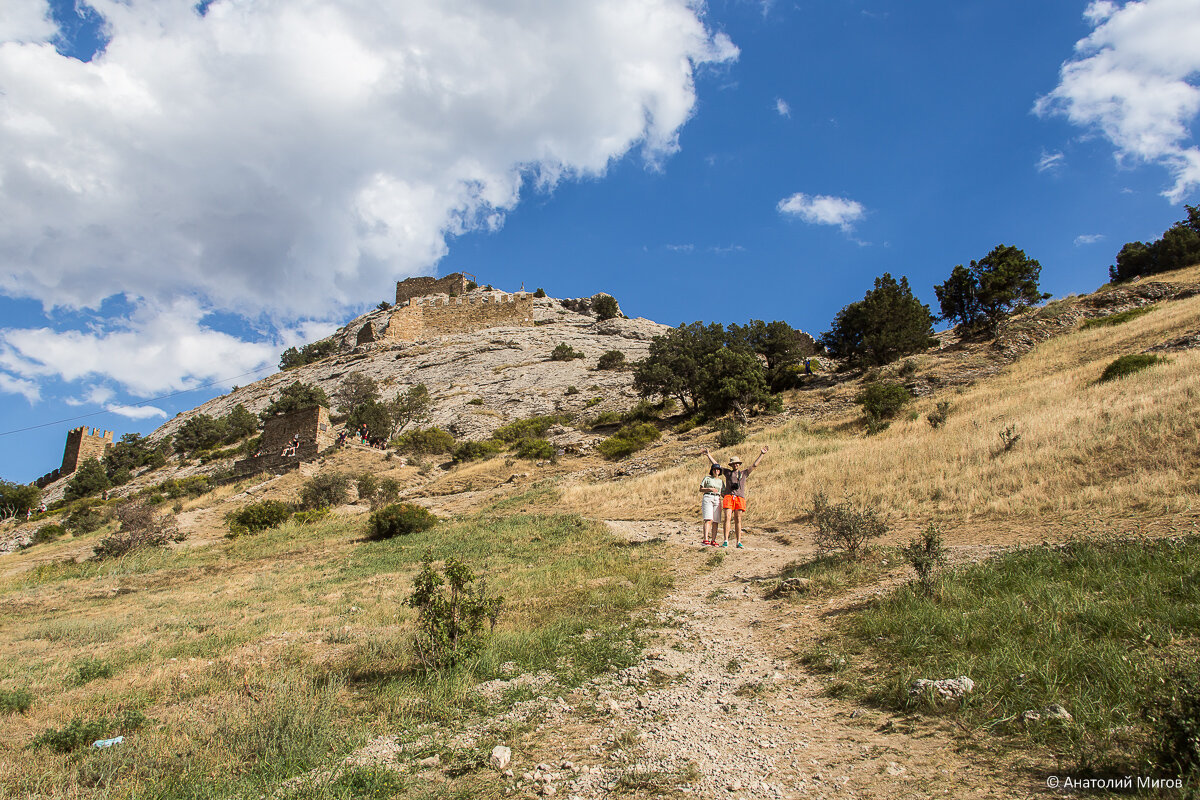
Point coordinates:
pixel 430 307
pixel 313 427
pixel 453 284
pixel 81 446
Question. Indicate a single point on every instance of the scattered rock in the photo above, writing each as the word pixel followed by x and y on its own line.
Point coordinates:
pixel 501 757
pixel 945 689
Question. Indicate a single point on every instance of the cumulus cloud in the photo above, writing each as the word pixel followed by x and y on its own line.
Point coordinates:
pixel 288 157
pixel 25 21
pixel 1049 162
pixel 286 160
pixel 1088 238
pixel 1134 79
pixel 26 388
pixel 782 108
pixel 137 412
pixel 159 350
pixel 823 210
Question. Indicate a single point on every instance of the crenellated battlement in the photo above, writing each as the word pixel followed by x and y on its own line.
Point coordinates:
pixel 428 317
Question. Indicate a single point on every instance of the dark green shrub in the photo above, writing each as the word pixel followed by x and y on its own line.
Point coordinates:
pixel 400 519
pixel 540 292
pixel 926 553
pixel 15 701
pixel 613 359
pixel 295 397
pixel 424 441
pixel 564 352
pixel 729 433
pixel 845 526
pixel 1129 364
pixel 325 489
pixel 535 449
pixel 887 324
pixel 17 498
pixel 292 358
pixel 937 417
pixel 605 306
pixel 475 401
pixel 80 733
pixel 627 440
pixel 606 418
pixel 476 451
pixel 366 485
pixel 47 533
pixel 1174 721
pixel 689 423
pixel 91 669
pixel 882 401
pixel 89 479
pixel 528 428
pixel 451 611
pixel 593 401
pixel 257 517
pixel 571 390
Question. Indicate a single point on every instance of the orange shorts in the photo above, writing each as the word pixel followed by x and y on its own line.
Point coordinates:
pixel 734 502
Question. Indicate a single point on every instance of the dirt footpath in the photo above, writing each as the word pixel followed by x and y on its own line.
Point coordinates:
pixel 720 706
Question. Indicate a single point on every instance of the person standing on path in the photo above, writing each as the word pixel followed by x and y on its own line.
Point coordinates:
pixel 733 500
pixel 711 489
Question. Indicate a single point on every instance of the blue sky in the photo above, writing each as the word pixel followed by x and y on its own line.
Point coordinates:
pixel 185 191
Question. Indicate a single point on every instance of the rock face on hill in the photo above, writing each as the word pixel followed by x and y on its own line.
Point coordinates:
pixel 479 380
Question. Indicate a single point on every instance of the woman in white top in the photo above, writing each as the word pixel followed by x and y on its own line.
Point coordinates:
pixel 711 489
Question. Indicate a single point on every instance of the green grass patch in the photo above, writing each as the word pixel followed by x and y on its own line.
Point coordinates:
pixel 15 701
pixel 1116 319
pixel 1093 625
pixel 1129 364
pixel 834 573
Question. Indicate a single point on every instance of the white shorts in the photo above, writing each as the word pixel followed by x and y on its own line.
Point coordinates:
pixel 710 506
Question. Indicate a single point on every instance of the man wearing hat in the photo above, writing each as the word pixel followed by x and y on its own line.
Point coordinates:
pixel 733 499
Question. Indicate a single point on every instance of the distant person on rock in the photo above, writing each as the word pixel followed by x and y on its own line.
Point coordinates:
pixel 292 446
pixel 733 500
pixel 711 489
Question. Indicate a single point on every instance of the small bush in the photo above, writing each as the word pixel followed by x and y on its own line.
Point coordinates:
pixel 593 401
pixel 141 527
pixel 528 428
pixel 325 489
pixel 257 517
pixel 688 424
pixel 1174 721
pixel 366 485
pixel 450 623
pixel 15 701
pixel 1116 319
pixel 845 526
pixel 91 669
pixel 908 368
pixel 540 292
pixel 571 390
pixel 1009 438
pixel 475 401
pixel 476 451
pixel 1129 364
pixel 309 517
pixel 389 490
pixel 424 441
pixel 564 352
pixel 80 733
pixel 729 433
pixel 926 553
pixel 613 359
pixel 882 401
pixel 400 519
pixel 606 307
pixel 937 417
pixel 629 439
pixel 536 449
pixel 47 533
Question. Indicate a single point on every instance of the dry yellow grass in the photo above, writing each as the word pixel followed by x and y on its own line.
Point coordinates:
pixel 1122 448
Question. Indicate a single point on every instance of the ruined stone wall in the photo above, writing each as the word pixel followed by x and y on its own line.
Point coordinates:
pixel 82 445
pixel 454 283
pixel 429 317
pixel 316 435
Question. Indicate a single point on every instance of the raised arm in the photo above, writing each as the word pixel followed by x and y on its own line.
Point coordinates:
pixel 708 455
pixel 761 453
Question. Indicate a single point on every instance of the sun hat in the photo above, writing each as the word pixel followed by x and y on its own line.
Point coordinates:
pixel 734 460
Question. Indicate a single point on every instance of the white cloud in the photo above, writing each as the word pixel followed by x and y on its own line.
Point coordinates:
pixel 1133 78
pixel 26 388
pixel 1049 161
pixel 822 209
pixel 25 21
pixel 1088 238
pixel 681 248
pixel 137 412
pixel 159 350
pixel 294 157
pixel 782 108
pixel 95 395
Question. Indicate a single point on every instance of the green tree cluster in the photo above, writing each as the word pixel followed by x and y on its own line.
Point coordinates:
pixel 1179 247
pixel 295 397
pixel 292 358
pixel 203 432
pixel 888 323
pixel 983 294
pixel 17 498
pixel 133 452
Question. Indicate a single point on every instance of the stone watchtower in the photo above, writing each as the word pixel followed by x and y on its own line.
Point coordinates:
pixel 82 445
pixel 454 284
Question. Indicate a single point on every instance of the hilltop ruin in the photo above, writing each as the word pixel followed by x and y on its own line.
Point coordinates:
pixel 81 446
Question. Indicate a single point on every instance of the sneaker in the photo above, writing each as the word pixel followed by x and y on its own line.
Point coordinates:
pixel 739 544
pixel 724 544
